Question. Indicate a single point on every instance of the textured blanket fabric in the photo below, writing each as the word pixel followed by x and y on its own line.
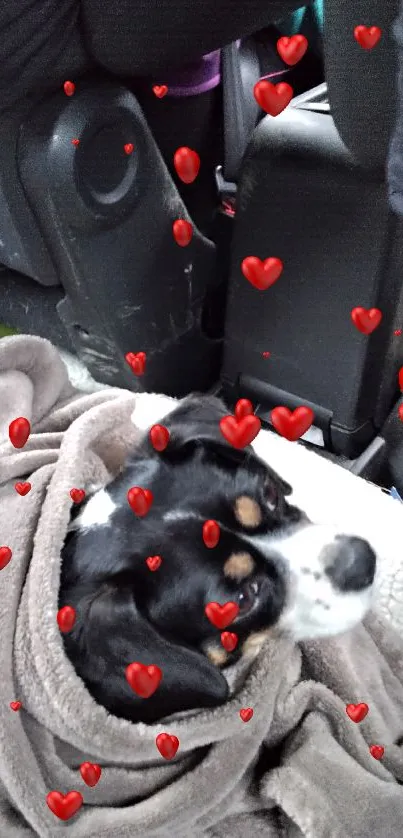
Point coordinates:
pixel 300 768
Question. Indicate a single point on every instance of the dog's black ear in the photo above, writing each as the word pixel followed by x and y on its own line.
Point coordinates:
pixel 195 423
pixel 113 634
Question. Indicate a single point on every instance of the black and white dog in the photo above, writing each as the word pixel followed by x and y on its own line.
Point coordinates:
pixel 285 573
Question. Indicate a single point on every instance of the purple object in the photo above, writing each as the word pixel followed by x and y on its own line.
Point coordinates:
pixel 195 78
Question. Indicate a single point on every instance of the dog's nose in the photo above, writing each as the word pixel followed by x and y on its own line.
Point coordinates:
pixel 353 565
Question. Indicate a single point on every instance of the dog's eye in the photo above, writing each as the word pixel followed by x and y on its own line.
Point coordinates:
pixel 271 497
pixel 247 596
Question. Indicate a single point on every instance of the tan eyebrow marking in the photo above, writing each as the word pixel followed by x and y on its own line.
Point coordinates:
pixel 248 512
pixel 218 656
pixel 239 566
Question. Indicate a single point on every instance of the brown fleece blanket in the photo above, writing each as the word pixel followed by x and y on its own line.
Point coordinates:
pixel 299 767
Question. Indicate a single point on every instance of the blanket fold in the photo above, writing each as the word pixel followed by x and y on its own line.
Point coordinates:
pixel 300 768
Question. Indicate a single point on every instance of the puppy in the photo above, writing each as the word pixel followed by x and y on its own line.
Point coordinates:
pixel 283 572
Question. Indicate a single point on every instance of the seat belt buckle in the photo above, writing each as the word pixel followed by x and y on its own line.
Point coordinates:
pixel 226 193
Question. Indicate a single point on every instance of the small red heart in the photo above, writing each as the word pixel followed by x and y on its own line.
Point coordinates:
pixel 160 90
pixel 66 618
pixel 5 557
pixel 221 615
pixel 22 488
pixel 75 141
pixel 64 806
pixel 246 714
pixel 159 437
pixel 19 431
pixel 243 408
pixel 91 773
pixel 377 751
pixel 292 424
pixel 140 500
pixel 69 88
pixel 15 705
pixel 266 354
pixel 292 49
pixel 262 273
pixel 367 36
pixel 366 320
pixel 187 164
pixel 401 378
pixel 357 712
pixel 183 232
pixel 167 745
pixel 154 562
pixel 400 413
pixel 77 495
pixel 240 432
pixel 211 533
pixel 144 680
pixel 397 332
pixel 229 640
pixel 272 98
pixel 128 148
pixel 136 361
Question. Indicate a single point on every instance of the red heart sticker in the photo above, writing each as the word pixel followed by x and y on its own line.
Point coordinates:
pixel 154 562
pixel 229 640
pixel 183 232
pixel 5 557
pixel 167 745
pixel 240 432
pixel 367 36
pixel 64 806
pixel 159 437
pixel 15 705
pixel 91 773
pixel 19 431
pixel 77 495
pixel 401 378
pixel 187 164
pixel 366 320
pixel 136 361
pixel 400 413
pixel 66 618
pixel 69 88
pixel 243 408
pixel 75 141
pixel 140 500
pixel 266 354
pixel 292 424
pixel 22 488
pixel 262 273
pixel 397 332
pixel 144 680
pixel 246 714
pixel 160 90
pixel 272 98
pixel 292 49
pixel 128 148
pixel 221 615
pixel 377 751
pixel 211 533
pixel 357 712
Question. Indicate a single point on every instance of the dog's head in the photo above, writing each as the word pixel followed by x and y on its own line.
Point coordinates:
pixel 283 572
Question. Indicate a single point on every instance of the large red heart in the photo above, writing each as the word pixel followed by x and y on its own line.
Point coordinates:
pixel 401 378
pixel 292 424
pixel 144 680
pixel 221 615
pixel 367 36
pixel 66 618
pixel 211 533
pixel 160 90
pixel 357 712
pixel 69 88
pixel 272 98
pixel 23 488
pixel 246 714
pixel 187 164
pixel 140 500
pixel 159 437
pixel 15 705
pixel 240 432
pixel 377 751
pixel 128 148
pixel 292 49
pixel 243 408
pixel 64 806
pixel 136 361
pixel 261 273
pixel 77 495
pixel 366 320
pixel 183 232
pixel 167 745
pixel 153 562
pixel 19 431
pixel 91 773
pixel 5 557
pixel 229 640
